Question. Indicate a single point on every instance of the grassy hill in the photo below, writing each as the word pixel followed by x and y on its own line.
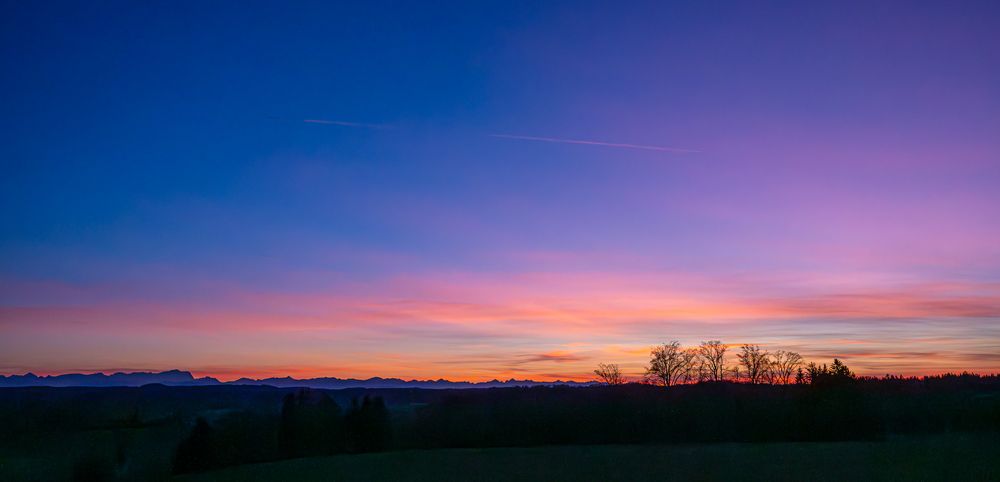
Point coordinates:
pixel 954 458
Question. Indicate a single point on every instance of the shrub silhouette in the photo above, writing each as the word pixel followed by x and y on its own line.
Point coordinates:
pixel 311 424
pixel 367 425
pixel 196 453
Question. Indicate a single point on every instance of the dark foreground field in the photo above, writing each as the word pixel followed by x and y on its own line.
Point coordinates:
pixel 942 428
pixel 945 458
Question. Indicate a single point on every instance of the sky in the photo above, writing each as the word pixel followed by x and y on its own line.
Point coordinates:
pixel 479 190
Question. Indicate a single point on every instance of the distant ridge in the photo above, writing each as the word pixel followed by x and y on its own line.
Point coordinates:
pixel 119 379
pixel 184 378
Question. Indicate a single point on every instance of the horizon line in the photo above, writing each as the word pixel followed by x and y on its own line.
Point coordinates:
pixel 633 379
pixel 196 374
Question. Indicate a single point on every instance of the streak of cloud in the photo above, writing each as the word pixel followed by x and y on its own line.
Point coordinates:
pixel 557 357
pixel 335 123
pixel 595 143
pixel 343 123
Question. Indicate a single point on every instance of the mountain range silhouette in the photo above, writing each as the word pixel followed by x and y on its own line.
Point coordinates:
pixel 185 378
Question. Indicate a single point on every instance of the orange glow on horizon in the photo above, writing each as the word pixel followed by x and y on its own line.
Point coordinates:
pixel 542 326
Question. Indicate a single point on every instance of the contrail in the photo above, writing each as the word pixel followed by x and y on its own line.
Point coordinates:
pixel 333 122
pixel 342 123
pixel 594 143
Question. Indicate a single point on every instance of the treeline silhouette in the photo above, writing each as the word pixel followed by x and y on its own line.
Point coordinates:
pixel 672 364
pixel 310 423
pixel 832 405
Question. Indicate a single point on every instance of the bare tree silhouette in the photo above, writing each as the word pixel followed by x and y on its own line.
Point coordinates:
pixel 784 366
pixel 610 373
pixel 756 363
pixel 669 364
pixel 712 361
